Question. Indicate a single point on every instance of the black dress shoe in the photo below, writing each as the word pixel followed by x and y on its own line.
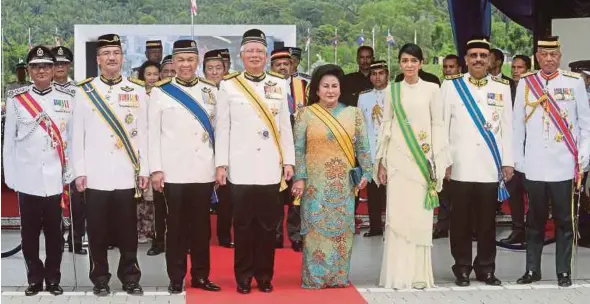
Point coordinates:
pixel 227 245
pixel 564 280
pixel 133 288
pixel 265 286
pixel 175 288
pixel 204 284
pixel 101 289
pixel 529 277
pixel 440 234
pixel 297 246
pixel 155 250
pixel 515 237
pixel 462 280
pixel 34 289
pixel 489 279
pixel 373 233
pixel 244 287
pixel 54 289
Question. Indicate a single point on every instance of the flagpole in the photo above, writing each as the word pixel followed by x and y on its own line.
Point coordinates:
pixel 192 26
pixel 336 47
pixel 415 37
pixel 388 50
pixel 373 39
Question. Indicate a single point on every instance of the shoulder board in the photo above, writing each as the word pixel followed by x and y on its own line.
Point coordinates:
pixel 365 91
pixel 136 81
pixel 451 77
pixel 231 75
pixel 207 81
pixel 85 81
pixel 500 80
pixel 304 75
pixel 527 74
pixel 162 82
pixel 571 74
pixel 17 91
pixel 65 90
pixel 276 74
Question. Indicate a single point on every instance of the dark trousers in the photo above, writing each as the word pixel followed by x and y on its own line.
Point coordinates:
pixel 516 201
pixel 224 215
pixel 78 217
pixel 293 217
pixel 467 199
pixel 112 212
pixel 560 194
pixel 444 210
pixel 377 200
pixel 41 213
pixel 160 213
pixel 189 227
pixel 256 212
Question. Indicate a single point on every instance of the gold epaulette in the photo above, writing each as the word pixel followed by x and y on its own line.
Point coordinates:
pixel 162 82
pixel 85 81
pixel 527 74
pixel 207 81
pixel 136 81
pixel 500 80
pixel 231 75
pixel 275 74
pixel 571 74
pixel 451 77
pixel 365 91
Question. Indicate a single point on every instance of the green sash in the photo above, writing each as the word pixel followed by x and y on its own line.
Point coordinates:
pixel 431 200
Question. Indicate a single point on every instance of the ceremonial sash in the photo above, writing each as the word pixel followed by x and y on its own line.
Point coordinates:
pixel 551 107
pixel 488 136
pixel 342 137
pixel 116 126
pixel 431 200
pixel 298 94
pixel 266 116
pixel 193 106
pixel 35 109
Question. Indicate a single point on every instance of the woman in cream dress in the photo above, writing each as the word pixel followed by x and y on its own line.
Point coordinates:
pixel 408 227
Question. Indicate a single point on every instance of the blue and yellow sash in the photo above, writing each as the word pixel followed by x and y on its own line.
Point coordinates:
pixel 191 105
pixel 116 126
pixel 488 136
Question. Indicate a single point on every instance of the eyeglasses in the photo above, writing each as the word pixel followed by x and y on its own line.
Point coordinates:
pixel 481 55
pixel 38 67
pixel 109 53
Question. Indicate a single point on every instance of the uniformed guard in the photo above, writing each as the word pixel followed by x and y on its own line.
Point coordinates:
pixel 182 163
pixel 281 63
pixel 354 83
pixel 371 105
pixel 109 156
pixel 36 165
pixel 21 77
pixel 214 67
pixel 478 117
pixel 551 111
pixel 63 60
pixel 295 53
pixel 254 153
pixel 153 52
pixel 226 60
pixel 166 68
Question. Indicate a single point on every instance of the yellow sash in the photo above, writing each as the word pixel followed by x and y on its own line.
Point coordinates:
pixel 265 114
pixel 342 137
pixel 298 93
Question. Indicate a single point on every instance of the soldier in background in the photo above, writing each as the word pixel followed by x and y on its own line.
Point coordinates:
pixel 226 60
pixel 166 68
pixel 357 82
pixel 153 52
pixel 295 60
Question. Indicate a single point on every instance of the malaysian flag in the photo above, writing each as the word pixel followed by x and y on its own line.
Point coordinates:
pixel 308 40
pixel 389 38
pixel 361 39
pixel 194 7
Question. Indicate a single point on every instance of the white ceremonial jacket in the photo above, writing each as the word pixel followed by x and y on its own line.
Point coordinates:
pixel 472 159
pixel 179 146
pixel 371 104
pixel 543 156
pixel 31 164
pixel 96 151
pixel 243 142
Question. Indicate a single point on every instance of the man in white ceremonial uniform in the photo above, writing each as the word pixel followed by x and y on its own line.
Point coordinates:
pixel 36 166
pixel 478 119
pixel 552 151
pixel 109 158
pixel 182 162
pixel 255 154
pixel 371 105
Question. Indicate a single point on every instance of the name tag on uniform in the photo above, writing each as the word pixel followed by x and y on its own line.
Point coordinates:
pixel 495 100
pixel 61 105
pixel 129 100
pixel 563 94
pixel 272 91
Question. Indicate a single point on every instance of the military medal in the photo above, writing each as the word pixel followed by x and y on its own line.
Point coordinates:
pixel 488 126
pixel 558 137
pixel 133 132
pixel 62 126
pixel 274 111
pixel 425 148
pixel 495 116
pixel 422 135
pixel 264 134
pixel 129 118
pixel 205 137
pixel 119 144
